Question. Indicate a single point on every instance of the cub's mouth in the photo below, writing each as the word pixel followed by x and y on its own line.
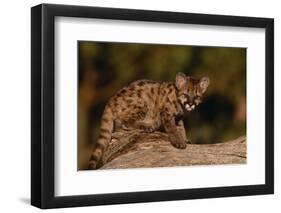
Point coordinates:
pixel 189 107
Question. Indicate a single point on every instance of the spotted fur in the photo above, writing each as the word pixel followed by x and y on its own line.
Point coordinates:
pixel 147 105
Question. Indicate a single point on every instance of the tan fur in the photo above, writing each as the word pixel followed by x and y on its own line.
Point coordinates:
pixel 147 105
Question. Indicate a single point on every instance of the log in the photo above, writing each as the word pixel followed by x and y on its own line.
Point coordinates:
pixel 137 149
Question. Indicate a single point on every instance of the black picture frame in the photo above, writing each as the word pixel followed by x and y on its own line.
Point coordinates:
pixel 43 102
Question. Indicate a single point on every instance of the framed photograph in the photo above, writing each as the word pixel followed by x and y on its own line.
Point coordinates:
pixel 139 106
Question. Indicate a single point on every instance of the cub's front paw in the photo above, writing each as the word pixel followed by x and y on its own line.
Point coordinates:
pixel 179 145
pixel 188 141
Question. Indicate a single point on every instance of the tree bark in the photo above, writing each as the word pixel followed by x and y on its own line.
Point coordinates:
pixel 136 149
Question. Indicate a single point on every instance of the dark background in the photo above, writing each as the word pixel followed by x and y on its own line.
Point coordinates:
pixel 106 67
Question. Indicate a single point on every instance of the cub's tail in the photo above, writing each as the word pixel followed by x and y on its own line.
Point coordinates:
pixel 104 138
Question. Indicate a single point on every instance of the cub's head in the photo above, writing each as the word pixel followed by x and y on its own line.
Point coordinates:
pixel 190 90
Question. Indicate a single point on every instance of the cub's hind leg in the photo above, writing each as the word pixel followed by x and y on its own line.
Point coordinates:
pixel 132 119
pixel 133 124
pixel 145 126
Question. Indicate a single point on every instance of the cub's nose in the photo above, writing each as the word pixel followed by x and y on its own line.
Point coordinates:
pixel 191 105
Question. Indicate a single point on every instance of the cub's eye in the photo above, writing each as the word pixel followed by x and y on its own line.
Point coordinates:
pixel 183 97
pixel 197 100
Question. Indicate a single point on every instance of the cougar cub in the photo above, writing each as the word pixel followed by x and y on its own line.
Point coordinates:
pixel 146 104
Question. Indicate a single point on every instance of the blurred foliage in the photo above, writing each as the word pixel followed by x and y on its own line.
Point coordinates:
pixel 106 67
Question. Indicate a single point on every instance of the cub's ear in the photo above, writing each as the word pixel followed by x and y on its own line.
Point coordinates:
pixel 204 83
pixel 180 80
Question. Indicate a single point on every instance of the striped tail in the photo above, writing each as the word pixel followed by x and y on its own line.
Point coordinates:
pixel 104 138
